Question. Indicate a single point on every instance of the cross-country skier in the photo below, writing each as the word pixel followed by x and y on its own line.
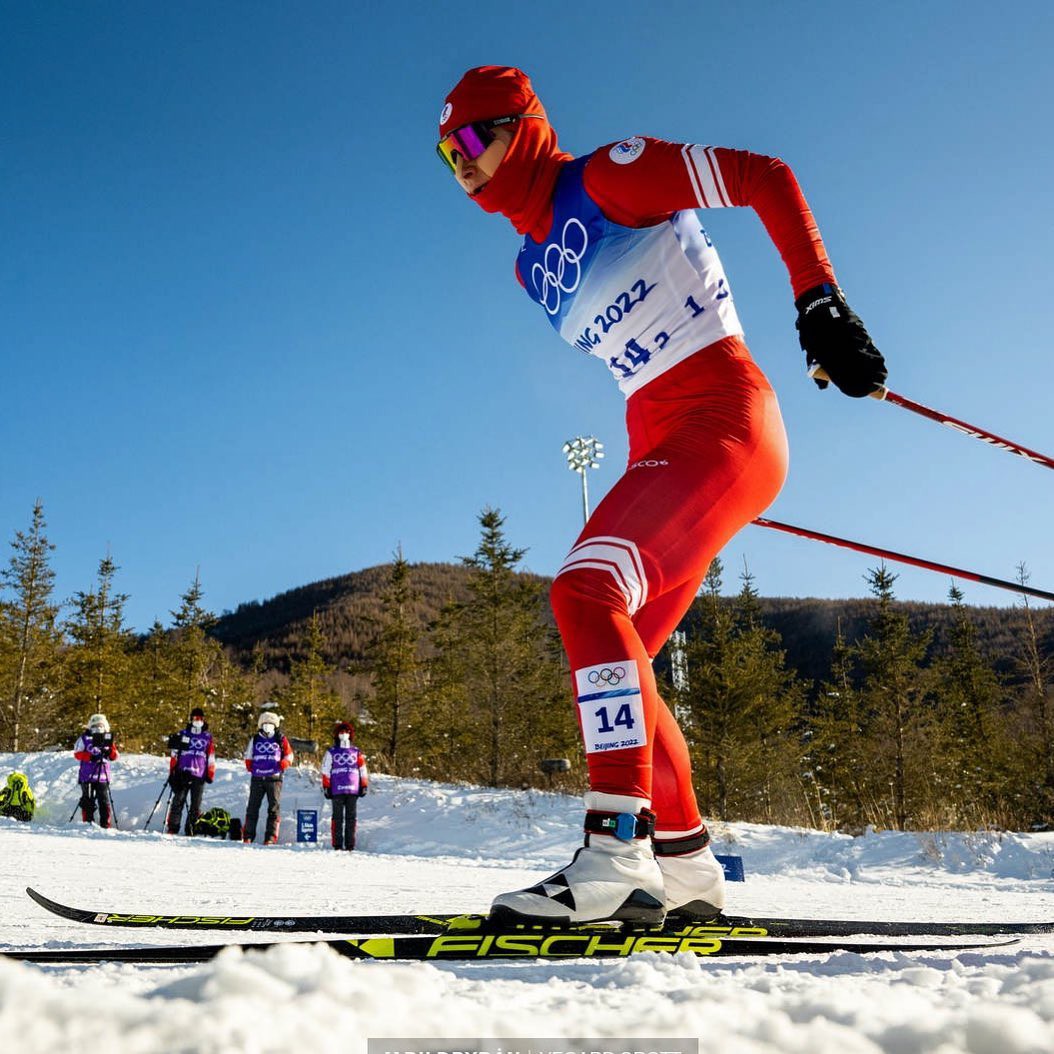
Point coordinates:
pixel 192 764
pixel 345 778
pixel 95 749
pixel 614 254
pixel 267 757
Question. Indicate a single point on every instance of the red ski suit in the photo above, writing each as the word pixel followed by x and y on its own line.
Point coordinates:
pixel 707 448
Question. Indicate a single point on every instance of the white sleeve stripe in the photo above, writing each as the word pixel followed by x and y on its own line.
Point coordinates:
pixel 712 194
pixel 693 175
pixel 715 168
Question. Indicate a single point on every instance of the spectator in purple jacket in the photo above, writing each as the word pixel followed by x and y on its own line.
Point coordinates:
pixel 95 749
pixel 267 757
pixel 191 766
pixel 344 780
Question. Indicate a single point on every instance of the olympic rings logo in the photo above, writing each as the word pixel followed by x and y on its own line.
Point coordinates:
pixel 607 675
pixel 561 268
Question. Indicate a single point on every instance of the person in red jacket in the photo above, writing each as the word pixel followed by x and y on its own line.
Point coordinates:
pixel 616 257
pixel 267 757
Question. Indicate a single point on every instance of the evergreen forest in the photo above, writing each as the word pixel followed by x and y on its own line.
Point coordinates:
pixel 833 714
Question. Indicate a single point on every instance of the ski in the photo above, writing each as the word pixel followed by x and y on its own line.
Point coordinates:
pixel 388 924
pixel 476 947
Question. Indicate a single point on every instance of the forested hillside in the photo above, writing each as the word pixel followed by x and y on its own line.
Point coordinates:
pixel 349 608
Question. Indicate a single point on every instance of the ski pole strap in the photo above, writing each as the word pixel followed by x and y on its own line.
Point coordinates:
pixel 681 846
pixel 625 826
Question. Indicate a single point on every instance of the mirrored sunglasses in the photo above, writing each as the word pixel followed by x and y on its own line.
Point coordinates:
pixel 470 140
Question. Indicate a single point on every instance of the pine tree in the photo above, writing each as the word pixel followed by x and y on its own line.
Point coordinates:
pixel 833 761
pixel 98 663
pixel 194 653
pixel 29 638
pixel 158 683
pixel 308 703
pixel 740 707
pixel 395 666
pixel 976 751
pixel 899 727
pixel 1039 711
pixel 503 667
pixel 231 710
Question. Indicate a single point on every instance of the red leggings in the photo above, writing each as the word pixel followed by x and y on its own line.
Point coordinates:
pixel 708 454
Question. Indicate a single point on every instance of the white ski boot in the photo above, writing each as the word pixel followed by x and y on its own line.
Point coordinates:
pixel 614 876
pixel 693 880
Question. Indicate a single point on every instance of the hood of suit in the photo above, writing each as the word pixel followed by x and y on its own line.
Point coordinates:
pixel 522 187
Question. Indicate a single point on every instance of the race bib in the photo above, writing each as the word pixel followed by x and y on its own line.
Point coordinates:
pixel 610 706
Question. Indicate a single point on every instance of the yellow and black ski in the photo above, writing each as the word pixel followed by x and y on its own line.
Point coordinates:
pixel 431 923
pixel 487 947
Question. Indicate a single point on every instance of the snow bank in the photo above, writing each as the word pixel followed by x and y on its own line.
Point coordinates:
pixel 296 998
pixel 535 829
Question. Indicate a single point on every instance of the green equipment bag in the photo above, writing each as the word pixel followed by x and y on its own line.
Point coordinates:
pixel 216 823
pixel 16 799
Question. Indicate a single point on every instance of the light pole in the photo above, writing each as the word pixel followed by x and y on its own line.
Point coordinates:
pixel 584 452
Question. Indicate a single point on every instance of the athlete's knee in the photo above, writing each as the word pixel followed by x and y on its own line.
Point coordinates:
pixel 599 573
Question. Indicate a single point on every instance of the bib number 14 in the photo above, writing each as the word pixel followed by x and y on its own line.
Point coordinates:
pixel 623 717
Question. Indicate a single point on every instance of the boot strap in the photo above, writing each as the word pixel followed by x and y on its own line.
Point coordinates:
pixel 680 846
pixel 625 826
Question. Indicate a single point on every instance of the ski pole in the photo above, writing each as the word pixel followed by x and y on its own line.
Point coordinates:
pixel 915 561
pixel 883 394
pixel 158 802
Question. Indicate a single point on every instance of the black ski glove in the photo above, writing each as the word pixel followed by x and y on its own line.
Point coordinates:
pixel 362 792
pixel 328 793
pixel 834 338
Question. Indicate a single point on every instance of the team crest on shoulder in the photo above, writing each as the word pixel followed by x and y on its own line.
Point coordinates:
pixel 627 151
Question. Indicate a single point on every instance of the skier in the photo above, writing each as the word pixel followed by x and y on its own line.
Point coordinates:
pixel 192 764
pixel 614 254
pixel 345 779
pixel 95 749
pixel 267 757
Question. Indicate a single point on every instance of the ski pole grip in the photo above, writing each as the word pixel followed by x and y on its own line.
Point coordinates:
pixel 818 373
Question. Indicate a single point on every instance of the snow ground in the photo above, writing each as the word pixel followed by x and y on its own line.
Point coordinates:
pixel 426 847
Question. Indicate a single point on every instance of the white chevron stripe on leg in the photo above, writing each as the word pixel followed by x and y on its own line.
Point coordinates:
pixel 620 558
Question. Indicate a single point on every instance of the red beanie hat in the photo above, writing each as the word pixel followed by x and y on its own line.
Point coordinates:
pixel 485 92
pixel 522 187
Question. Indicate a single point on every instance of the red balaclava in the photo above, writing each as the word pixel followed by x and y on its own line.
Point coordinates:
pixel 522 187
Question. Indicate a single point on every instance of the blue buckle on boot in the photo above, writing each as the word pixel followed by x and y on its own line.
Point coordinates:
pixel 625 826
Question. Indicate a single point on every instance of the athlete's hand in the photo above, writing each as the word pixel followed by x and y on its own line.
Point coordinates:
pixel 835 340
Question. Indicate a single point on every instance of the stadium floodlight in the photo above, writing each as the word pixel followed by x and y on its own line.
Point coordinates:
pixel 584 452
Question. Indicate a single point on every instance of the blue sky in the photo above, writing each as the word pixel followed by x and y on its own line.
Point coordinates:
pixel 249 325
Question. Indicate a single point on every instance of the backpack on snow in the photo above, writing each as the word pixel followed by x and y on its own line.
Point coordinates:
pixel 16 799
pixel 218 823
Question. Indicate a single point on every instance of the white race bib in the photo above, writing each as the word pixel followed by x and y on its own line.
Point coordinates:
pixel 610 706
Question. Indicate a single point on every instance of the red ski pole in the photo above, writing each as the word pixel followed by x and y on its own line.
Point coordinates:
pixel 885 395
pixel 915 561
